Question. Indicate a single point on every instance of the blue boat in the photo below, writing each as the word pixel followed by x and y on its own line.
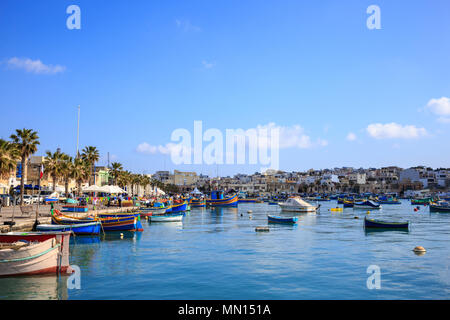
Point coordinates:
pixel 372 223
pixel 367 204
pixel 74 208
pixel 273 203
pixel 218 200
pixel 179 207
pixel 278 219
pixel 91 228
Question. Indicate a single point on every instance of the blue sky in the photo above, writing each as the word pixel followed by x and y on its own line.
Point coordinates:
pixel 142 69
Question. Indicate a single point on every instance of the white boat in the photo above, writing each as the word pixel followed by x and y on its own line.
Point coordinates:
pixel 166 218
pixel 297 204
pixel 28 258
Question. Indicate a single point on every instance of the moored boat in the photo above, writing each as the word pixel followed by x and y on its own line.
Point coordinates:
pixel 218 200
pixel 179 207
pixel 440 206
pixel 170 217
pixel 367 204
pixel 372 223
pixel 35 259
pixel 197 203
pixel 423 201
pixel 148 211
pixel 296 204
pixel 74 208
pixel 278 219
pixel 91 228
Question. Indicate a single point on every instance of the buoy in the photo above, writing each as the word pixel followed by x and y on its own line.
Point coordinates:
pixel 356 218
pixel 121 236
pixel 241 214
pixel 368 212
pixel 262 229
pixel 419 249
pixel 249 211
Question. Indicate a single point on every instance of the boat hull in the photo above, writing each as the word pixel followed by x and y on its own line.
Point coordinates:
pixel 227 202
pixel 436 208
pixel 91 228
pixel 166 218
pixel 287 220
pixel 369 223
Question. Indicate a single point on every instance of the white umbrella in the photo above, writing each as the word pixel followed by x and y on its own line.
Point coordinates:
pixel 196 191
pixel 92 188
pixel 111 189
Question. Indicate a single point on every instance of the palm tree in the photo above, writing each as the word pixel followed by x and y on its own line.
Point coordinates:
pixel 91 156
pixel 66 169
pixel 116 169
pixel 52 164
pixel 26 141
pixel 80 172
pixel 144 181
pixel 9 155
pixel 124 179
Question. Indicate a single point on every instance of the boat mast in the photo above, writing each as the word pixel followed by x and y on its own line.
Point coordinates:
pixel 78 130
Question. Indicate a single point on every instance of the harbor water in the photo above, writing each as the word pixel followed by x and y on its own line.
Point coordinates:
pixel 216 254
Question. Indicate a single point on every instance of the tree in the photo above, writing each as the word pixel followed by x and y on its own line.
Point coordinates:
pixel 66 169
pixel 9 155
pixel 91 156
pixel 52 164
pixel 116 169
pixel 80 172
pixel 26 141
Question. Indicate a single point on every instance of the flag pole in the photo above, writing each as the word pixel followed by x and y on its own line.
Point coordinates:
pixel 78 130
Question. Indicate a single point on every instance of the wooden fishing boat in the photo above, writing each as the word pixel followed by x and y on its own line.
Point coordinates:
pixel 218 200
pixel 171 217
pixel 33 259
pixel 367 204
pixel 422 202
pixel 348 204
pixel 91 228
pixel 148 211
pixel 198 203
pixel 440 206
pixel 179 207
pixel 74 208
pixel 388 200
pixel 278 219
pixel 372 223
pixel 117 222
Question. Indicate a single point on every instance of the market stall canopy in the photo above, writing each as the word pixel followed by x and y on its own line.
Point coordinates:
pixel 112 189
pixel 92 188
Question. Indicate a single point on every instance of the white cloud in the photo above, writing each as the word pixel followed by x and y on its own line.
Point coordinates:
pixel 394 130
pixel 34 66
pixel 440 107
pixel 289 137
pixel 208 65
pixel 187 26
pixel 443 120
pixel 168 148
pixel 351 136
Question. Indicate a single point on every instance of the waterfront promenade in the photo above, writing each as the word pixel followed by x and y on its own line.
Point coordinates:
pixel 24 222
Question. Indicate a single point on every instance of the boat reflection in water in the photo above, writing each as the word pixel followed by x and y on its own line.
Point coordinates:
pixel 34 288
pixel 374 231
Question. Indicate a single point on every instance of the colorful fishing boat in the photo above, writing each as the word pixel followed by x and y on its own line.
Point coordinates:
pixel 348 204
pixel 45 253
pixel 421 202
pixel 198 203
pixel 91 228
pixel 388 200
pixel 74 208
pixel 273 203
pixel 179 207
pixel 148 211
pixel 278 219
pixel 218 200
pixel 367 204
pixel 440 206
pixel 372 223
pixel 170 217
pixel 122 222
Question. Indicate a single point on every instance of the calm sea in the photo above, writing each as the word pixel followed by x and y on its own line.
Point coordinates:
pixel 216 254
